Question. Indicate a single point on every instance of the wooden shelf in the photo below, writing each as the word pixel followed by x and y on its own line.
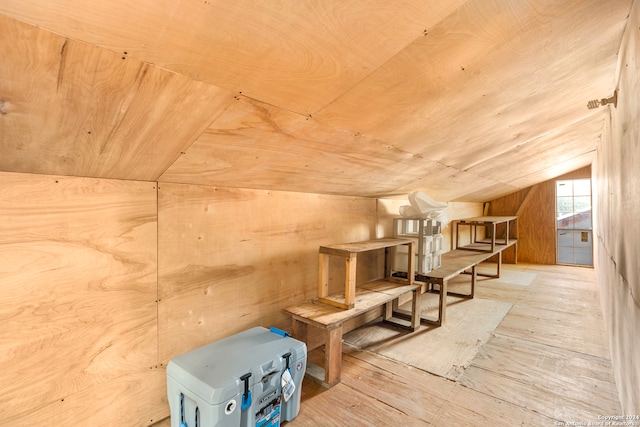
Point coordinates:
pixel 368 296
pixel 333 322
pixel 344 249
pixel 491 223
pixel 349 252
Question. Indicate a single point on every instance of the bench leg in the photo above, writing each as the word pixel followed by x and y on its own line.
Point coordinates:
pixel 392 310
pixel 474 275
pixel 442 308
pixel 415 309
pixel 498 268
pixel 333 356
pixel 442 303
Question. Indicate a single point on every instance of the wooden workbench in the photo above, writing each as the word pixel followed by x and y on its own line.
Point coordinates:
pixel 334 321
pixel 490 223
pixel 454 263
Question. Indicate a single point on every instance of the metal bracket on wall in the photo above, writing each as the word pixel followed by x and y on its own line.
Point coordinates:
pixel 604 101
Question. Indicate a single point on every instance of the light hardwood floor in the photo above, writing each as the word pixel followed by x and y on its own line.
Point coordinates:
pixel 546 364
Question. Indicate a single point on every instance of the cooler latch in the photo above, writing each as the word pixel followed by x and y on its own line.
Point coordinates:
pixel 286 357
pixel 246 397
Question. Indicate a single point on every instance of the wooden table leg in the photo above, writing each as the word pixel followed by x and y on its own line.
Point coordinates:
pixel 299 331
pixel 493 239
pixel 415 309
pixel 473 279
pixel 442 308
pixel 333 356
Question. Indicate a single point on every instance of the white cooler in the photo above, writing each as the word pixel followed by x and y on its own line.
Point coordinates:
pixel 251 379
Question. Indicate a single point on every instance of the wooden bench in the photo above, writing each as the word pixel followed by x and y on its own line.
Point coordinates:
pixel 454 263
pixel 317 323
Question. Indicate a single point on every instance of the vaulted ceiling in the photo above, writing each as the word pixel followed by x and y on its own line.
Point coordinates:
pixel 463 100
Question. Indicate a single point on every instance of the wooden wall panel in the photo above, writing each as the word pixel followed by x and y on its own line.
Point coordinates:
pixel 230 258
pixel 535 207
pixel 78 334
pixel 617 227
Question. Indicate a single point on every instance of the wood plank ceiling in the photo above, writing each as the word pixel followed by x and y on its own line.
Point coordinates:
pixel 464 100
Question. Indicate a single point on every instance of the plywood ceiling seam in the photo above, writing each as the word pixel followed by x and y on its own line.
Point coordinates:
pixel 185 151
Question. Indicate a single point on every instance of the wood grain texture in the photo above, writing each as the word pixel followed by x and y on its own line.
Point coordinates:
pixel 457 115
pixel 510 381
pixel 617 203
pixel 256 145
pixel 70 108
pixel 78 306
pixel 535 207
pixel 497 371
pixel 231 258
pixel 465 100
pixel 272 51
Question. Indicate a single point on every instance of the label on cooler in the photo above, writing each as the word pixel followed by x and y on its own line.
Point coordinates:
pixel 288 386
pixel 269 416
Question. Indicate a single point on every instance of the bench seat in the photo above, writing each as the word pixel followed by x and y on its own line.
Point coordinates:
pixel 310 317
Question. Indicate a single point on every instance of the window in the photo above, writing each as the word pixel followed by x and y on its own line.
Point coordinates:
pixel 573 222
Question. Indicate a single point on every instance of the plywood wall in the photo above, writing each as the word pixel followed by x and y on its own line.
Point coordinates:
pixel 233 258
pixel 535 208
pixel 78 326
pixel 103 281
pixel 617 204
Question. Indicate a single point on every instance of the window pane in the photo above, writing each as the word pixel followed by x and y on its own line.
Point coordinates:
pixel 565 238
pixel 574 222
pixel 565 255
pixel 582 239
pixel 582 219
pixel 565 204
pixel 564 188
pixel 583 256
pixel 582 187
pixel 565 221
pixel 581 203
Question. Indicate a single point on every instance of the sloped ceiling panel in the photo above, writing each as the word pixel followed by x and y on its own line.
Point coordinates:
pixel 475 91
pixel 256 145
pixel 298 55
pixel 70 108
pixel 365 98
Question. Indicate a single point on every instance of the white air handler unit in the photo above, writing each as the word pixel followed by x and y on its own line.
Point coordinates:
pixel 251 379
